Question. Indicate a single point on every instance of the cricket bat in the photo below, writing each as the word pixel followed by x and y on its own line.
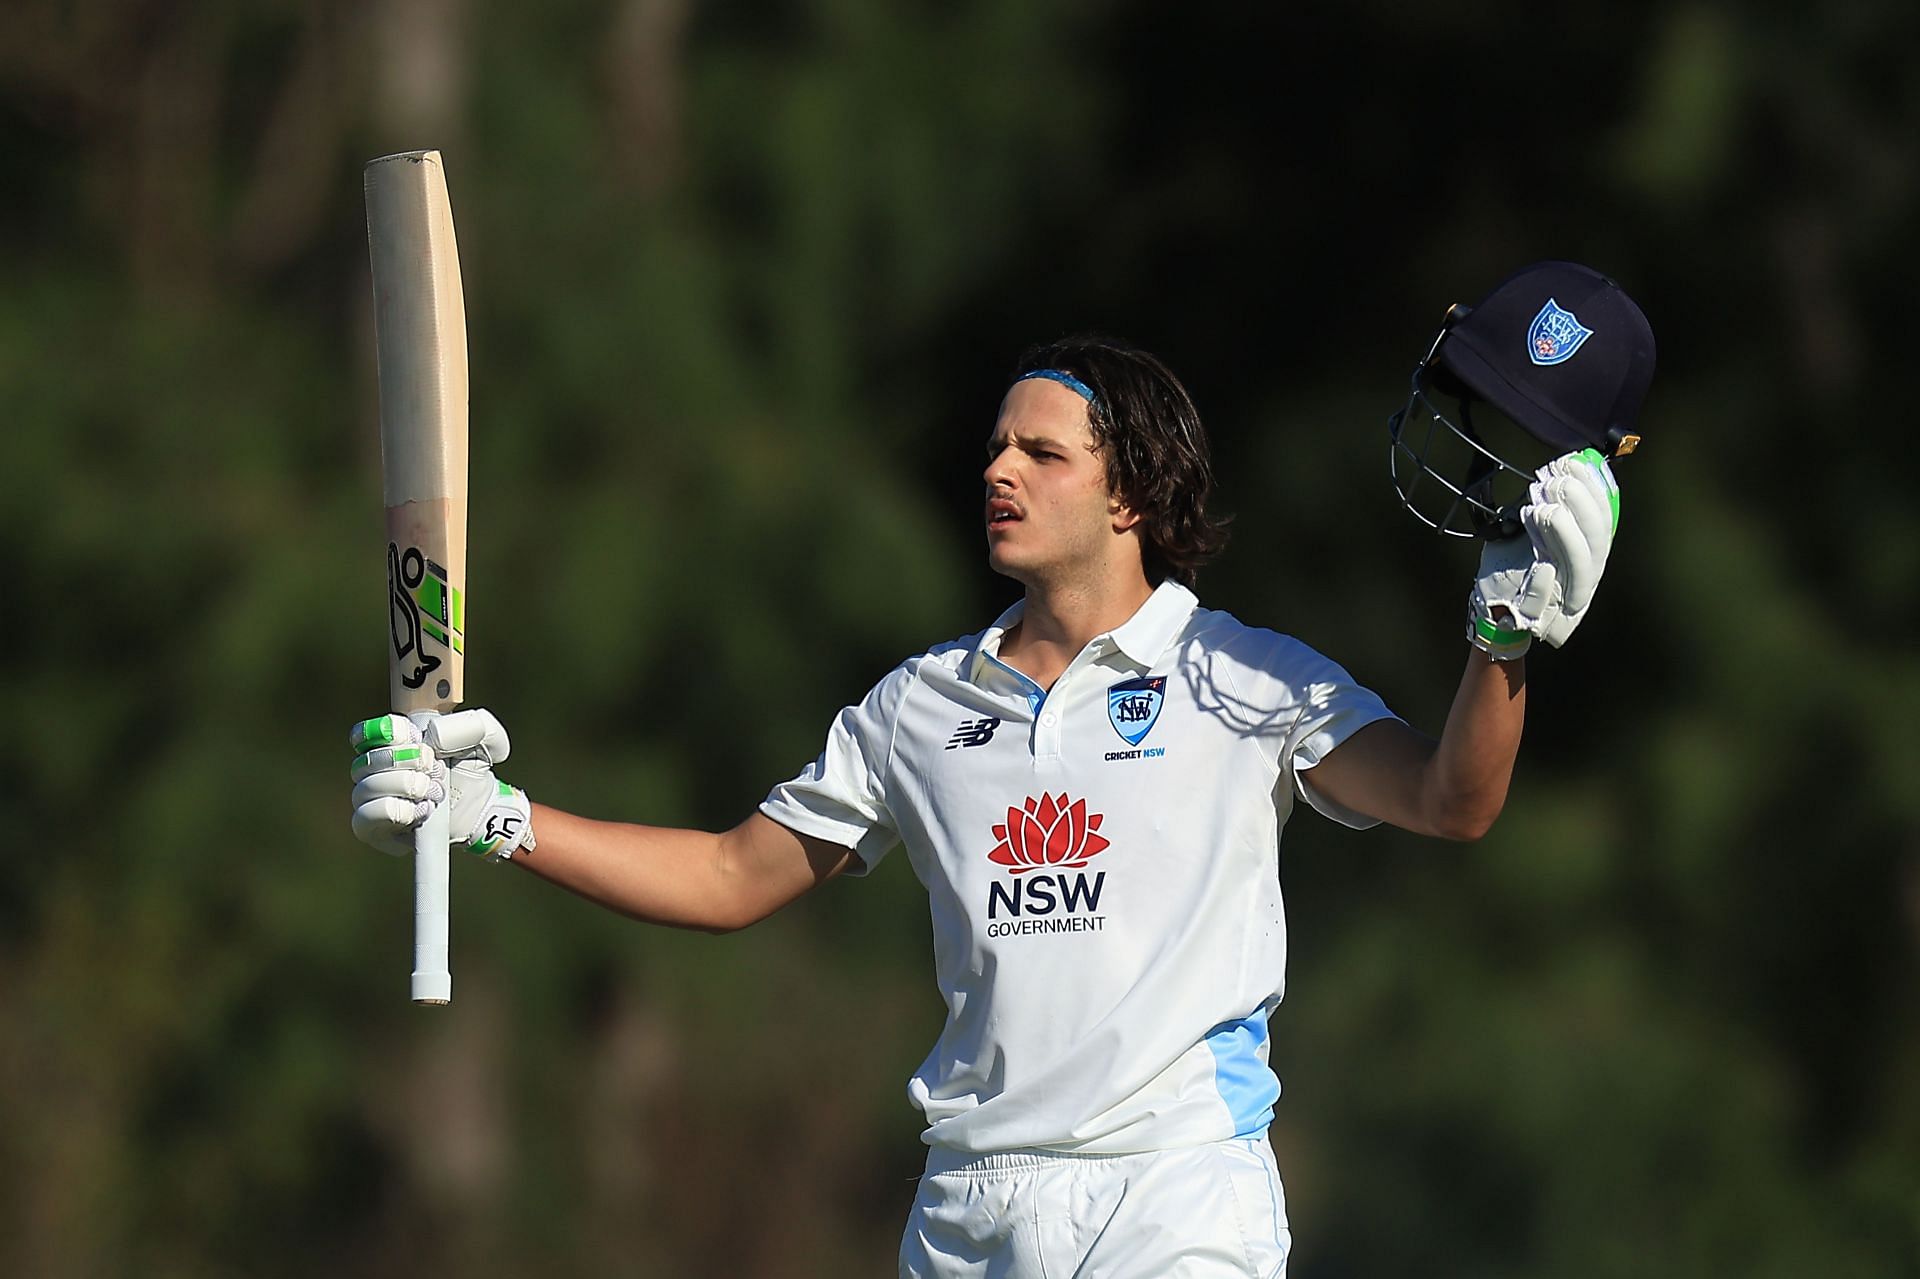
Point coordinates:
pixel 420 326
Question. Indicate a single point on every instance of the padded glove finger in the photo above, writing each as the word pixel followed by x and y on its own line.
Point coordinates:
pixel 1571 521
pixel 1561 545
pixel 470 734
pixel 393 729
pixel 423 789
pixel 387 823
pixel 418 758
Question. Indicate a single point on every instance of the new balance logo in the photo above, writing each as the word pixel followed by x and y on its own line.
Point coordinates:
pixel 973 732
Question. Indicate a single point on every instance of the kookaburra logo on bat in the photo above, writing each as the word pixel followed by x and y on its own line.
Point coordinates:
pixel 405 572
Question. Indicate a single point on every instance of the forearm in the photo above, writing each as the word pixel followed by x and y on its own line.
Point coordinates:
pixel 651 873
pixel 681 878
pixel 1464 783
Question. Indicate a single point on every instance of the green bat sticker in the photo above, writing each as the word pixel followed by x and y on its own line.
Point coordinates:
pixel 422 606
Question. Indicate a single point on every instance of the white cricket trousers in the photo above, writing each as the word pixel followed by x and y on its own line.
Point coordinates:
pixel 1206 1212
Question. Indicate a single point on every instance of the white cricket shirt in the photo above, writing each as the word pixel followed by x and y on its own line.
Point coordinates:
pixel 1101 862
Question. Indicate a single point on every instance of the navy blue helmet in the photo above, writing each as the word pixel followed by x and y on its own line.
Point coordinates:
pixel 1556 359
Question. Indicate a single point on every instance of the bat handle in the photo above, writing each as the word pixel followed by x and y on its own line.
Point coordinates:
pixel 432 983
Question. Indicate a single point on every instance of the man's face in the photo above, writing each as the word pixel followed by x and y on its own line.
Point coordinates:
pixel 1048 509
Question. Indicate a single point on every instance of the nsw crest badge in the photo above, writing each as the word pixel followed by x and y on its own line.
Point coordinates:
pixel 1555 334
pixel 1133 705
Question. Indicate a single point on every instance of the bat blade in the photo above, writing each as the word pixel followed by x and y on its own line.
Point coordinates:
pixel 421 332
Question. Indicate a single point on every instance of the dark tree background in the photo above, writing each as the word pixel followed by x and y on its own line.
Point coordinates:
pixel 743 283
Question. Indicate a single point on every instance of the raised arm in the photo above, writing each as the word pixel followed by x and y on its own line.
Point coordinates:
pixel 1453 788
pixel 1534 586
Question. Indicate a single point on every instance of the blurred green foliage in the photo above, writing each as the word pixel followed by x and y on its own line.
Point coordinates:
pixel 742 283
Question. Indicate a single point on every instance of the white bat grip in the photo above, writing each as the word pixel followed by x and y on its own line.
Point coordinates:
pixel 432 983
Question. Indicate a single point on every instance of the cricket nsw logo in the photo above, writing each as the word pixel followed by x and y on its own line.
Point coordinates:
pixel 1134 705
pixel 1049 832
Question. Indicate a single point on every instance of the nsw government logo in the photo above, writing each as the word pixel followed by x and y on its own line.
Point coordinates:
pixel 1040 842
pixel 1133 707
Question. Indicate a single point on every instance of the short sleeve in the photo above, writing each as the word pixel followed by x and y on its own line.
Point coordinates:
pixel 1332 708
pixel 841 797
pixel 1303 705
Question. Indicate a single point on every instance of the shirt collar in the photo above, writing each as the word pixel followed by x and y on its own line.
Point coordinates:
pixel 1145 635
pixel 989 642
pixel 1142 637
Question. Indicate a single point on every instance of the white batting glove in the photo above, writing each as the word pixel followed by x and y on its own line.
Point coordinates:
pixel 1539 585
pixel 400 773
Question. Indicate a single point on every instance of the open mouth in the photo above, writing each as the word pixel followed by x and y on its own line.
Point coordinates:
pixel 1001 512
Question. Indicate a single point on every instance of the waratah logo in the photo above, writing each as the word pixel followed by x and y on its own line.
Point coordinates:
pixel 1049 831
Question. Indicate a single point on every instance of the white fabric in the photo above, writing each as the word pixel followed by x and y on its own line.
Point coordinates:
pixel 1114 998
pixel 402 773
pixel 1542 583
pixel 1204 1212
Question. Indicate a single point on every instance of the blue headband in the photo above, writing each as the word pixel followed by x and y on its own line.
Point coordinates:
pixel 1067 380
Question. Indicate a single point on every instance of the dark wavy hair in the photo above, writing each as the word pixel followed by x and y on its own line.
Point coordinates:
pixel 1149 432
